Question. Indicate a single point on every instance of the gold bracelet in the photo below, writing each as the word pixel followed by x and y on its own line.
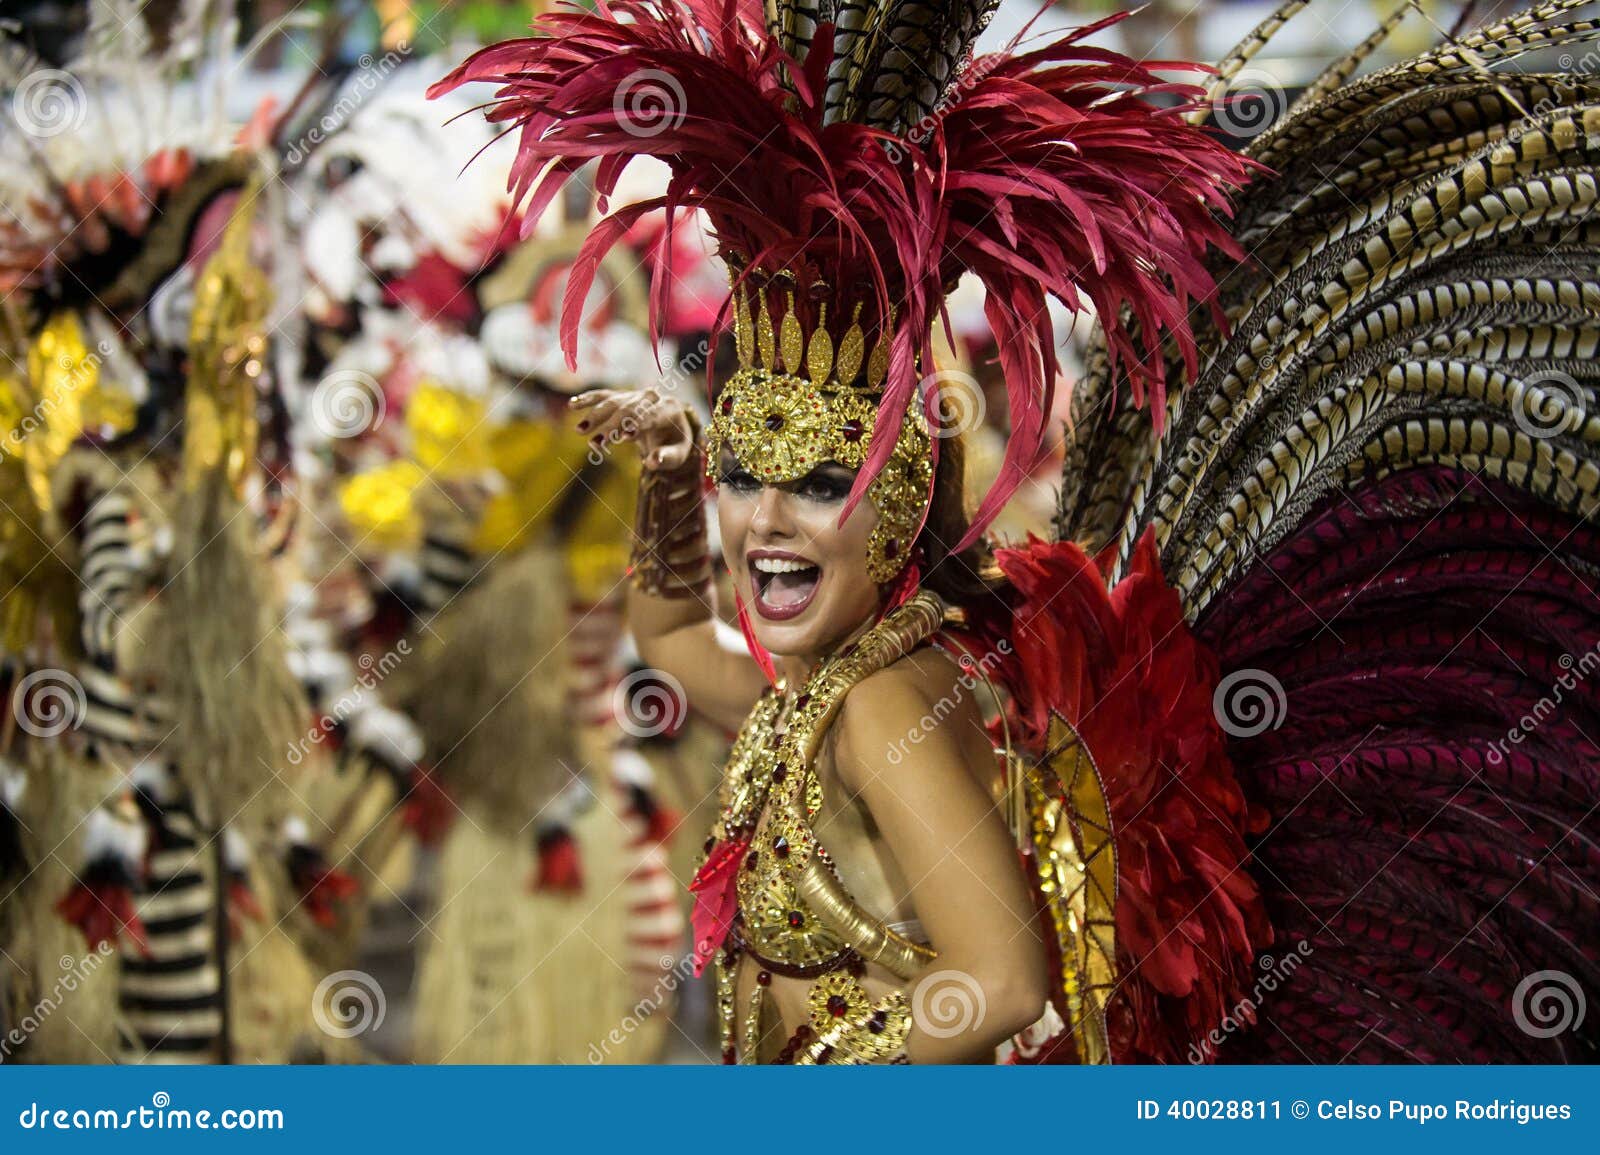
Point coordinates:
pixel 671 555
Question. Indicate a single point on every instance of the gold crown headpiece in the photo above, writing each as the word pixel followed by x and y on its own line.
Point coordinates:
pixel 799 400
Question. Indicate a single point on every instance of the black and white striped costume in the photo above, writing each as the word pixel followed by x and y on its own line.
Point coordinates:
pixel 171 995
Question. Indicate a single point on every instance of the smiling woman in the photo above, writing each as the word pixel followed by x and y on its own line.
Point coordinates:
pixel 862 905
pixel 808 975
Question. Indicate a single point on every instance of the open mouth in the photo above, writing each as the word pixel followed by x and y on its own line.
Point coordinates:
pixel 784 583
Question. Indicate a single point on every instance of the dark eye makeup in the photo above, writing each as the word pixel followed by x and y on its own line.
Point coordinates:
pixel 826 485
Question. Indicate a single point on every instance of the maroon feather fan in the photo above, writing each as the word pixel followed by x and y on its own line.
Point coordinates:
pixel 1051 172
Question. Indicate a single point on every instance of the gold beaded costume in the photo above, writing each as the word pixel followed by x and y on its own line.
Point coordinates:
pixel 855 160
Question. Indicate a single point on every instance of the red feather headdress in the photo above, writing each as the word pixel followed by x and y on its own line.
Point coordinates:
pixel 845 145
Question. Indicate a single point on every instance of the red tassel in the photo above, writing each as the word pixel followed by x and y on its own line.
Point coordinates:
pixel 757 650
pixel 102 911
pixel 428 811
pixel 560 866
pixel 323 889
pixel 661 823
pixel 242 904
pixel 716 900
pixel 905 585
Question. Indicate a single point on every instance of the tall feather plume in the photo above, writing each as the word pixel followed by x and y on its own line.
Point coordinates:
pixel 1048 173
pixel 1378 502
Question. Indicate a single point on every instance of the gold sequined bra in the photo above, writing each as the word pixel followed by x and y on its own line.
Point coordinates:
pixel 794 916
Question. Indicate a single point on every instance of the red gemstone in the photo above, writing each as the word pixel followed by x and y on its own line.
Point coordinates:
pixel 763 978
pixel 750 860
pixel 774 422
pixel 800 702
pixel 727 406
pixel 728 1055
pixel 780 846
pixel 837 1006
pixel 852 430
pixel 891 548
pixel 796 919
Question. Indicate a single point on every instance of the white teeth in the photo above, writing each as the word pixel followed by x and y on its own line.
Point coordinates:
pixel 779 565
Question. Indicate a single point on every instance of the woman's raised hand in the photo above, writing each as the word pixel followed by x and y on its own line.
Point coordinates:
pixel 662 425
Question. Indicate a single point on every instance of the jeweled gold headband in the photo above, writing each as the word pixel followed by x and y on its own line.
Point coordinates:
pixel 781 425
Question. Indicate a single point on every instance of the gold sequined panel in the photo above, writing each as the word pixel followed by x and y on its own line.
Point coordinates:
pixel 748 774
pixel 771 790
pixel 1075 865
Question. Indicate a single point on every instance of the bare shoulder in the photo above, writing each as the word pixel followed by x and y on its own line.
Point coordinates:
pixel 918 704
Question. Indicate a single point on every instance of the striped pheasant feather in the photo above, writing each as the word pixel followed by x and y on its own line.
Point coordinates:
pixel 1377 499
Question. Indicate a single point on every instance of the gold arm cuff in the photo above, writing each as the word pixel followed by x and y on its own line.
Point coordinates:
pixel 873 941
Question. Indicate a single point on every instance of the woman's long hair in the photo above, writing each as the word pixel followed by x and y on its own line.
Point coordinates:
pixel 966 578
